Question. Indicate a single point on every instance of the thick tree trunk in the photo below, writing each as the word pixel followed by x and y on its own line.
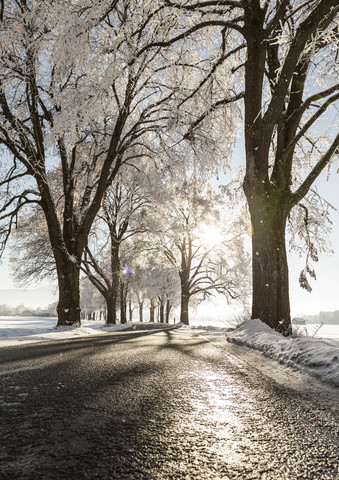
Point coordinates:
pixel 111 303
pixel 130 310
pixel 123 291
pixel 185 294
pixel 113 293
pixel 69 293
pixel 270 302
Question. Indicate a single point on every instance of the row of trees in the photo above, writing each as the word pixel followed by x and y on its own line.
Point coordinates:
pixel 7 310
pixel 170 242
pixel 87 89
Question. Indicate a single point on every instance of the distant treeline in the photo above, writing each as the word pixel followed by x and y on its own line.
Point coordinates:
pixel 6 310
pixel 331 318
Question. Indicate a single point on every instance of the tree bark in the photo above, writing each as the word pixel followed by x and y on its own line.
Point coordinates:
pixel 69 293
pixel 123 292
pixel 162 311
pixel 270 301
pixel 111 304
pixel 184 318
pixel 130 309
pixel 115 271
pixel 185 292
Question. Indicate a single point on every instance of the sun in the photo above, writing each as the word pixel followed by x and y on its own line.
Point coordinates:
pixel 209 236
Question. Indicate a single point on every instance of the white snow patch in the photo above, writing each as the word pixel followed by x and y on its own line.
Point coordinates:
pixel 317 356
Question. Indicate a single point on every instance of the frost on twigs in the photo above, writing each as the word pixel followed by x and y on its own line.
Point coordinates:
pixel 303 281
pixel 309 228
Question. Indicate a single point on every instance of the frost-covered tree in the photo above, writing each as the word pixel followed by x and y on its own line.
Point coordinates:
pixel 137 286
pixel 91 301
pixel 118 221
pixel 205 248
pixel 162 287
pixel 285 57
pixel 84 88
pixel 152 281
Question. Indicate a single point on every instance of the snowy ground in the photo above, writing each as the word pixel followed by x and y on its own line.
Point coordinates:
pixel 318 356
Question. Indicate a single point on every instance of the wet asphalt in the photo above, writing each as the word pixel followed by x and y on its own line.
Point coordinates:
pixel 156 404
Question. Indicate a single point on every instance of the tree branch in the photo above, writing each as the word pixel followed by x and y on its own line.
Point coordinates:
pixel 315 172
pixel 215 106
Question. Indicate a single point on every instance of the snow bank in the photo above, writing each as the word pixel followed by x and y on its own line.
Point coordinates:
pixel 317 356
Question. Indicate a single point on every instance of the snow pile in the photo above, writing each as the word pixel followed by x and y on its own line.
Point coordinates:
pixel 317 356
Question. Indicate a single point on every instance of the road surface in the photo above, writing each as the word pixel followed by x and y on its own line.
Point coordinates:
pixel 158 404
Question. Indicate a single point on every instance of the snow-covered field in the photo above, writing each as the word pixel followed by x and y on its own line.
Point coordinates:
pixel 318 356
pixel 19 330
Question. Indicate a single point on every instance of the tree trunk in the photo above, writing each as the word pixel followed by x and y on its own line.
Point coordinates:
pixel 152 311
pixel 162 311
pixel 141 311
pixel 270 301
pixel 184 308
pixel 168 309
pixel 185 295
pixel 130 309
pixel 111 303
pixel 115 272
pixel 123 317
pixel 69 293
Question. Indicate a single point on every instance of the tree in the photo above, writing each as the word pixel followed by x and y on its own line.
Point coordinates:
pixel 91 300
pixel 82 92
pixel 151 278
pixel 162 287
pixel 287 52
pixel 119 219
pixel 205 250
pixel 137 286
